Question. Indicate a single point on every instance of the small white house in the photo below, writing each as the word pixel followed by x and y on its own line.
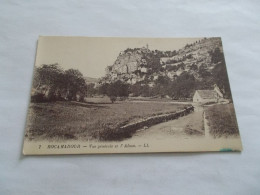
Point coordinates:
pixel 207 96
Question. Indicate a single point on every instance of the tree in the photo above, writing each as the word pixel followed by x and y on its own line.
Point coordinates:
pixel 112 99
pixel 221 79
pixel 153 61
pixel 56 84
pixel 203 71
pixel 114 90
pixel 103 89
pixel 75 84
pixel 162 80
pixel 91 90
pixel 183 87
pixel 219 72
pixel 48 80
pixel 217 56
pixel 194 67
pixel 136 89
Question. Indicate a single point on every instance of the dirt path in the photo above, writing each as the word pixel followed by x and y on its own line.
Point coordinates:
pixel 174 128
pixel 194 122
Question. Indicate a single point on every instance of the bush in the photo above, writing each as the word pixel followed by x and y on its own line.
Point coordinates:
pixel 112 99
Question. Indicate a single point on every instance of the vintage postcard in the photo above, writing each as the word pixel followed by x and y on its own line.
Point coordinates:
pixel 130 95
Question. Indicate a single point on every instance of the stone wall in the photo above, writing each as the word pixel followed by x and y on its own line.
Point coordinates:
pixel 156 120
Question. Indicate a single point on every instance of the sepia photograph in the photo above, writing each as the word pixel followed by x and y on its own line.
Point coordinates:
pixel 130 95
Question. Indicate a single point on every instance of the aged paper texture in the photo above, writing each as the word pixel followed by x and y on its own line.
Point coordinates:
pixel 130 95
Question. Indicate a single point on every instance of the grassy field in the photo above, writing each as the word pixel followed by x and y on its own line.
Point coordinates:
pixel 222 120
pixel 72 120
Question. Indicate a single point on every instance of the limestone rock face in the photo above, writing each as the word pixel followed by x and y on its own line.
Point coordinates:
pixel 138 64
pixel 127 63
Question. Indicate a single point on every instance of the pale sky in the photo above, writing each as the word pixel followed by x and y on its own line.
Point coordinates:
pixel 92 55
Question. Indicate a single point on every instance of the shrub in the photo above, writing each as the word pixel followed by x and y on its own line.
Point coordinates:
pixel 112 99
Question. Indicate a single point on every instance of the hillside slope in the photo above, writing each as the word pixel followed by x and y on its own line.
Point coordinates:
pixel 200 62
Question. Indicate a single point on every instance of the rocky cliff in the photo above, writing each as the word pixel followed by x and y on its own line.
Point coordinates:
pixel 141 64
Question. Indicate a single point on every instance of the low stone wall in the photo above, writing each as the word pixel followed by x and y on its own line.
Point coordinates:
pixel 156 120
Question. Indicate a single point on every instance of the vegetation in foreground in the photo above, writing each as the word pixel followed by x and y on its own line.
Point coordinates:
pixel 222 120
pixel 73 120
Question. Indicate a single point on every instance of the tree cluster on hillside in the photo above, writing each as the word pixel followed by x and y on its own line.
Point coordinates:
pixel 218 75
pixel 220 72
pixel 52 83
pixel 180 76
pixel 161 54
pixel 181 88
pixel 153 62
pixel 114 90
pixel 184 86
pixel 156 53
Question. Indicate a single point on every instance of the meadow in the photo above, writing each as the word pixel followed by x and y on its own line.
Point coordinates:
pixel 222 120
pixel 66 120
